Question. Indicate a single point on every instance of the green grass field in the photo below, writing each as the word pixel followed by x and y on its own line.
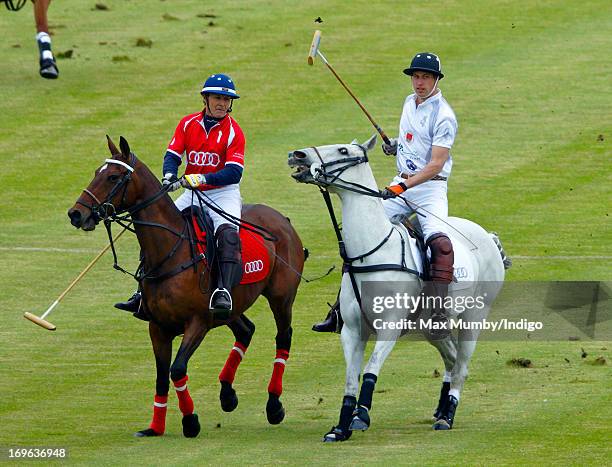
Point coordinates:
pixel 529 82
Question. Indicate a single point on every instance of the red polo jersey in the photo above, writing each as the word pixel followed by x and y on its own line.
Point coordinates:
pixel 208 152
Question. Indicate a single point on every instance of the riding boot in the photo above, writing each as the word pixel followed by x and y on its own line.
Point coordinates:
pixel 131 304
pixel 441 275
pixel 134 303
pixel 230 270
pixel 333 321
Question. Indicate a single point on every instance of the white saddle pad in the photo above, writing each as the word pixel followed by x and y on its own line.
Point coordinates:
pixel 465 267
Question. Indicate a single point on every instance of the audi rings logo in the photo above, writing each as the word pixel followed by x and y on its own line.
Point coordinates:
pixel 253 266
pixel 204 159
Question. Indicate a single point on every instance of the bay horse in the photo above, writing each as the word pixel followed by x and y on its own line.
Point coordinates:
pixel 379 253
pixel 176 295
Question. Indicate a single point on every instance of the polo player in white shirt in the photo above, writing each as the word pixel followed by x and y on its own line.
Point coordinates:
pixel 426 134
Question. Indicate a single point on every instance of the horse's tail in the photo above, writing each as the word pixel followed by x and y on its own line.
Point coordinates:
pixel 505 259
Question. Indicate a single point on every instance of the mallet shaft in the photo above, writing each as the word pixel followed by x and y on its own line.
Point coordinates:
pixel 378 128
pixel 41 320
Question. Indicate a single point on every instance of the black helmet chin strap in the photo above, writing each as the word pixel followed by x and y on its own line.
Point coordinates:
pixel 206 94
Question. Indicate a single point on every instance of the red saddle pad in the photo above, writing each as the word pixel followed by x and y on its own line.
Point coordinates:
pixel 255 257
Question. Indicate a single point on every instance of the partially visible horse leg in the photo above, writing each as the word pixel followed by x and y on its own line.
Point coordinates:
pixel 281 307
pixel 162 348
pixel 465 348
pixel 243 330
pixel 353 344
pixel 385 342
pixel 194 333
pixel 447 348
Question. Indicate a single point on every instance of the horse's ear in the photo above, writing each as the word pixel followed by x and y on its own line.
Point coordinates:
pixel 111 146
pixel 125 147
pixel 355 141
pixel 369 144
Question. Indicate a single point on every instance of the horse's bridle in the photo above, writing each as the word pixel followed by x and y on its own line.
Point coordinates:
pixel 102 210
pixel 329 178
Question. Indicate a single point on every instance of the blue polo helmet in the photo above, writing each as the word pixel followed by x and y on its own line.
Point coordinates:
pixel 425 61
pixel 220 84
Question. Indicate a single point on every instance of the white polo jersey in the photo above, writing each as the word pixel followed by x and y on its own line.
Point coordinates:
pixel 432 123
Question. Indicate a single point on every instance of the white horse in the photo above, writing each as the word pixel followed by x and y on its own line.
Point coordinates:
pixel 371 239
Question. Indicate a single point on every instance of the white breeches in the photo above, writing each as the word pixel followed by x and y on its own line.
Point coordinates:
pixel 430 197
pixel 227 199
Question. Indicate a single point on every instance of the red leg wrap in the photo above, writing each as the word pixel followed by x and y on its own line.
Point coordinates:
pixel 185 401
pixel 231 365
pixel 276 382
pixel 160 406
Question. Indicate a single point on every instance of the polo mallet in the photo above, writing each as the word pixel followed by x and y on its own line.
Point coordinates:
pixel 314 51
pixel 41 321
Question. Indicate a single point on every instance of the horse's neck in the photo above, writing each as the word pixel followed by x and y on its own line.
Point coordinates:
pixel 364 222
pixel 157 242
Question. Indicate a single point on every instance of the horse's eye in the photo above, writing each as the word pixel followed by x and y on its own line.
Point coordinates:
pixel 113 178
pixel 343 151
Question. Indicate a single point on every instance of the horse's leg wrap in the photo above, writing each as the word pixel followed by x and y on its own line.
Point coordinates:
pixel 442 259
pixel 229 254
pixel 236 355
pixel 160 406
pixel 185 401
pixel 276 382
pixel 283 346
pixel 367 389
pixel 346 413
pixel 243 330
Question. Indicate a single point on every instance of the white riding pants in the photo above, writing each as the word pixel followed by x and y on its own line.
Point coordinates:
pixel 429 199
pixel 228 199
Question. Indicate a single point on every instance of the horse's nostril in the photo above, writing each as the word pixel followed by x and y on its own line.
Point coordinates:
pixel 299 154
pixel 75 217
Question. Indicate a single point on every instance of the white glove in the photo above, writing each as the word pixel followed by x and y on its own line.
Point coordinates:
pixel 391 148
pixel 170 179
pixel 193 180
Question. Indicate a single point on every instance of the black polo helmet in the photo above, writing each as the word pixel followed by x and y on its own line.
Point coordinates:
pixel 425 61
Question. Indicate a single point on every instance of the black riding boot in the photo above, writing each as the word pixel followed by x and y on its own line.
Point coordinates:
pixel 333 321
pixel 131 304
pixel 230 270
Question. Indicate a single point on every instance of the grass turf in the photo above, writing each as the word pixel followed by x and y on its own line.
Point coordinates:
pixel 530 88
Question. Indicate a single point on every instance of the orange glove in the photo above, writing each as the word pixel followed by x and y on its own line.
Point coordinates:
pixel 394 190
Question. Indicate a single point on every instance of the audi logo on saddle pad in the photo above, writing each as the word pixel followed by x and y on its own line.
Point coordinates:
pixel 204 159
pixel 253 266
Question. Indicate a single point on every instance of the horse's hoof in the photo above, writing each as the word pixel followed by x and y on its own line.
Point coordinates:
pixel 361 419
pixel 274 410
pixel 441 424
pixel 146 433
pixel 191 426
pixel 228 397
pixel 358 424
pixel 336 435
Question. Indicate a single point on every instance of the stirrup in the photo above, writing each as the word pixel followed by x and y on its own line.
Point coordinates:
pixel 221 304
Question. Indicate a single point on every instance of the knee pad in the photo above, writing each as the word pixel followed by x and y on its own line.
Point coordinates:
pixel 442 258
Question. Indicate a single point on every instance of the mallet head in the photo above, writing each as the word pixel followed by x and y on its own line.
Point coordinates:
pixel 314 47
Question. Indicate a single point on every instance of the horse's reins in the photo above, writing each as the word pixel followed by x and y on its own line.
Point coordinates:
pixel 347 266
pixel 209 203
pixel 108 213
